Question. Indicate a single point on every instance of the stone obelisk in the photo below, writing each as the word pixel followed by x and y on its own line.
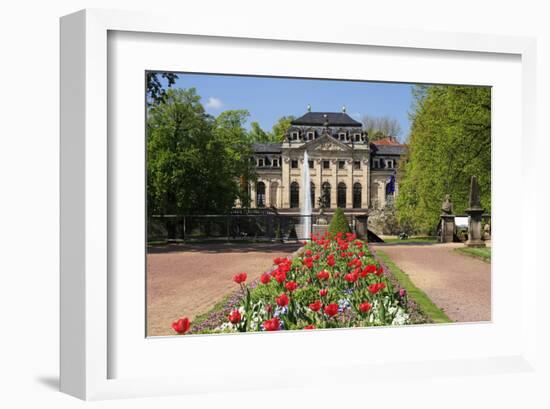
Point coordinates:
pixel 474 216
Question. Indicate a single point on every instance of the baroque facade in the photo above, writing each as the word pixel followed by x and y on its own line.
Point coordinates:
pixel 346 169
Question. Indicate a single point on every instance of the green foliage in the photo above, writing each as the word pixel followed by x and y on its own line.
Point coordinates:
pixel 450 141
pixel 155 91
pixel 194 161
pixel 277 134
pixel 339 223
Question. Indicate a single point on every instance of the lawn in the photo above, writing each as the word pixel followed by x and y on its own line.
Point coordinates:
pixel 483 253
pixel 419 239
pixel 415 293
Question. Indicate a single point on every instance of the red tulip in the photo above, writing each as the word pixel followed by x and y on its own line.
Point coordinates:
pixel 291 286
pixel 323 292
pixel 182 325
pixel 323 275
pixel 272 324
pixel 316 306
pixel 235 317
pixel 365 307
pixel 280 276
pixel 239 278
pixel 265 278
pixel 330 260
pixel 308 262
pixel 331 310
pixel 308 252
pixel 374 288
pixel 351 277
pixel 379 271
pixel 310 326
pixel 282 300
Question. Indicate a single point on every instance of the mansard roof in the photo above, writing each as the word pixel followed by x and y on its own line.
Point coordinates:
pixel 388 146
pixel 266 147
pixel 328 118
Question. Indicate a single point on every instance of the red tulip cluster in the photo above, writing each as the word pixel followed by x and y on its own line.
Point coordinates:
pixel 336 282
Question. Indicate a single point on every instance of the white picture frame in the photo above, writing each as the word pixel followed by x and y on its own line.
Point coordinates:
pixel 87 222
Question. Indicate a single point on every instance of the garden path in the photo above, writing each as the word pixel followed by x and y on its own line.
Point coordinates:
pixel 189 279
pixel 458 284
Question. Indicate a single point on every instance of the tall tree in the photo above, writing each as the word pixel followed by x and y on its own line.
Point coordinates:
pixel 379 127
pixel 194 161
pixel 450 141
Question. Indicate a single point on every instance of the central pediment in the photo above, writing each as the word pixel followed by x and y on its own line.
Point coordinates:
pixel 326 143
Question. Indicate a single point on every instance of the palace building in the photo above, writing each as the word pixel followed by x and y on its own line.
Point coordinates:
pixel 346 170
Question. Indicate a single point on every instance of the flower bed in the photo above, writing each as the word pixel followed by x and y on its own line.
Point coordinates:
pixel 333 283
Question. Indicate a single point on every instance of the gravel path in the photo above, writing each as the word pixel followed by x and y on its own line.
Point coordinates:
pixel 458 284
pixel 189 279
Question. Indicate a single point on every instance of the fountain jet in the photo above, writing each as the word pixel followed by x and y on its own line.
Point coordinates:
pixel 305 209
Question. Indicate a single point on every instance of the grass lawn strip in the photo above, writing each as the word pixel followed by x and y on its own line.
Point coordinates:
pixel 483 254
pixel 419 296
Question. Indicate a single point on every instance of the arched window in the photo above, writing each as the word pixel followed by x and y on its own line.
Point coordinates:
pixel 260 194
pixel 341 199
pixel 273 190
pixel 312 188
pixel 326 194
pixel 294 195
pixel 357 195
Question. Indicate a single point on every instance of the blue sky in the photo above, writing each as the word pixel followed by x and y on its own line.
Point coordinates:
pixel 267 99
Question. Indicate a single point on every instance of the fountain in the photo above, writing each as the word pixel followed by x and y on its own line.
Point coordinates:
pixel 305 209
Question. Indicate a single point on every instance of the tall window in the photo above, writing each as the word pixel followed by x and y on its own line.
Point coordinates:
pixel 341 198
pixel 326 164
pixel 260 194
pixel 357 195
pixel 294 195
pixel 326 194
pixel 312 188
pixel 294 164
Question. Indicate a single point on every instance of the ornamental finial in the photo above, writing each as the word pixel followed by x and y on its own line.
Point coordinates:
pixel 308 108
pixel 344 109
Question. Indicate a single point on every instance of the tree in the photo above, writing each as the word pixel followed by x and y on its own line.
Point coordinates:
pixel 155 91
pixel 338 223
pixel 257 134
pixel 279 130
pixel 194 161
pixel 381 127
pixel 450 141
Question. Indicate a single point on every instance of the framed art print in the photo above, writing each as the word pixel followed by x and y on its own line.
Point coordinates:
pixel 232 195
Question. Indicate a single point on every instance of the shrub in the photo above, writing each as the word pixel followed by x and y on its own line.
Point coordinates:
pixel 339 223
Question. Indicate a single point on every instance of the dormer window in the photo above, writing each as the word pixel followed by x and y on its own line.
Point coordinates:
pixel 376 164
pixel 389 164
pixel 267 162
pixel 294 135
pixel 275 163
pixel 260 163
pixel 310 135
pixel 357 137
pixel 342 136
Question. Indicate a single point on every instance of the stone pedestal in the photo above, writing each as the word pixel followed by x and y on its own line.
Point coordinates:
pixel 361 229
pixel 474 228
pixel 447 228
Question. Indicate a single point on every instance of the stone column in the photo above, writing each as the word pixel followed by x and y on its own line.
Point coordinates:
pixel 267 183
pixel 349 184
pixel 334 184
pixel 285 183
pixel 253 195
pixel 365 184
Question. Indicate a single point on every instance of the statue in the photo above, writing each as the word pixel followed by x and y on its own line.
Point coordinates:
pixel 322 202
pixel 487 232
pixel 447 205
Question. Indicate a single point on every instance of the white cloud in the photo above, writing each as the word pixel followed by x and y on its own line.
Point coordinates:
pixel 214 103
